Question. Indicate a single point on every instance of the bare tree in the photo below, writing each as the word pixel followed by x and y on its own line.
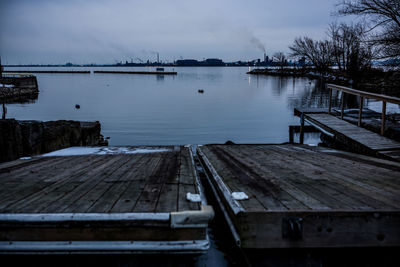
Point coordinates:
pixel 384 17
pixel 351 54
pixel 280 59
pixel 320 53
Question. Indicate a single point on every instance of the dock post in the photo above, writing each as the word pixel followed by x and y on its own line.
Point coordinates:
pixel 302 128
pixel 342 106
pixel 360 111
pixel 330 101
pixel 291 135
pixel 383 117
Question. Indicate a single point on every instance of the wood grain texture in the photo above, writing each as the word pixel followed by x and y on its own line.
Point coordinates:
pixel 343 199
pixel 148 182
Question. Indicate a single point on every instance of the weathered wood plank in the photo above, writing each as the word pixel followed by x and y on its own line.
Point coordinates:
pixel 128 198
pixel 357 134
pixel 99 191
pixel 118 187
pixel 90 180
pixel 321 229
pixel 348 174
pixel 37 184
pixel 272 170
pixel 238 182
pixel 147 201
pixel 314 175
pixel 168 198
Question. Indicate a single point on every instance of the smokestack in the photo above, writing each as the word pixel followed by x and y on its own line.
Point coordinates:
pixel 158 57
pixel 265 57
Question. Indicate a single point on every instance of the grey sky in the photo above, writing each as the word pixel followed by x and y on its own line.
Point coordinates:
pixel 102 31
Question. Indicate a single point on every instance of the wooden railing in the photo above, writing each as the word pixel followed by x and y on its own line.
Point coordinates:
pixel 345 90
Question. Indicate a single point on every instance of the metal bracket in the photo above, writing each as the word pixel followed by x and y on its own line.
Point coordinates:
pixel 292 228
pixel 192 218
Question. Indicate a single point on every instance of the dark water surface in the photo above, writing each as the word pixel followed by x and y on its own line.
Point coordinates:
pixel 166 110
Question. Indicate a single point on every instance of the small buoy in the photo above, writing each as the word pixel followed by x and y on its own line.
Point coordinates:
pixel 200 91
pixel 77 106
pixel 229 142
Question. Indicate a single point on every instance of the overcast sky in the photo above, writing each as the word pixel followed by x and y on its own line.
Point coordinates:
pixel 103 31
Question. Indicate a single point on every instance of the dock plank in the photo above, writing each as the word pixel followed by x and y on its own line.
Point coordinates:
pixel 89 181
pixel 318 166
pixel 128 198
pixel 357 134
pixel 33 184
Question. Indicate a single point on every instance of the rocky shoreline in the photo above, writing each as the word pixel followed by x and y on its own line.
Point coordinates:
pixel 27 138
pixel 23 88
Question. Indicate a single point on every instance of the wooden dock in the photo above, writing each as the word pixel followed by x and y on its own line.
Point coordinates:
pixel 303 196
pixel 130 202
pixel 351 137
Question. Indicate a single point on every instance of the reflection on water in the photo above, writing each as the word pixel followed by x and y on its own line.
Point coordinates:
pixel 168 109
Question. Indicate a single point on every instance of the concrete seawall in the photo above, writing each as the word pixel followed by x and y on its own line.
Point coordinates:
pixel 27 138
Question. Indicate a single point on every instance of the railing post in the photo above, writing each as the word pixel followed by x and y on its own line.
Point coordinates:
pixel 360 111
pixel 342 106
pixel 330 100
pixel 383 117
pixel 302 128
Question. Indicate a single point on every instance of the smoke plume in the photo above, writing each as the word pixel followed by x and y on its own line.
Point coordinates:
pixel 258 43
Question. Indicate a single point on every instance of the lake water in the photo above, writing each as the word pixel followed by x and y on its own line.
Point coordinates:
pixel 169 110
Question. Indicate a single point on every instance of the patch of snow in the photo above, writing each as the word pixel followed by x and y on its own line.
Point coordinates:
pixel 239 195
pixel 6 85
pixel 193 197
pixel 77 151
pixel 377 107
pixel 25 158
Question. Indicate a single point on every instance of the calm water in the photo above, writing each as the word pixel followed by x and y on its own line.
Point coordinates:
pixel 165 110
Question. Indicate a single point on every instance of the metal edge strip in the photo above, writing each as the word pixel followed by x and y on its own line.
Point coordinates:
pixel 68 247
pixel 234 205
pixel 319 127
pixel 77 217
pixel 232 227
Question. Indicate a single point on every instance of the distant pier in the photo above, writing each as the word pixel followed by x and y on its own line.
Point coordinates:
pixel 48 71
pixel 137 72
